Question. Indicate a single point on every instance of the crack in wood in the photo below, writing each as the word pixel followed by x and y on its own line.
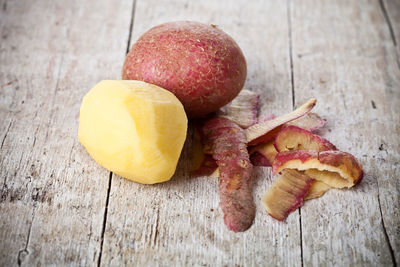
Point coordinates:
pixel 384 228
pixel 388 22
pixel 24 252
pixel 34 136
pixel 4 7
pixel 5 136
pixel 54 94
pixel 131 26
pixel 343 96
pixel 111 173
pixel 103 230
pixel 398 60
pixel 8 83
pixel 289 18
pixel 301 238
pixel 156 227
pixel 289 21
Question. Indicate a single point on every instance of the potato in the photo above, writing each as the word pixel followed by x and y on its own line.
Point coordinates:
pixel 202 65
pixel 134 129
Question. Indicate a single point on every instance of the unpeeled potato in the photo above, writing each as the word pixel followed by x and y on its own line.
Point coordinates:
pixel 200 64
pixel 135 129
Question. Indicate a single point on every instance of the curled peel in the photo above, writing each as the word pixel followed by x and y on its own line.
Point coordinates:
pixel 242 110
pixel 263 154
pixel 295 138
pixel 286 193
pixel 202 164
pixel 311 121
pixel 207 167
pixel 227 143
pixel 335 168
pixel 265 117
pixel 316 190
pixel 267 130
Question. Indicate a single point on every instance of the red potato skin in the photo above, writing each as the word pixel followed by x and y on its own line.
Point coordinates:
pixel 207 167
pixel 299 198
pixel 228 144
pixel 263 155
pixel 332 157
pixel 258 159
pixel 311 122
pixel 200 64
pixel 322 143
pixel 269 136
pixel 283 157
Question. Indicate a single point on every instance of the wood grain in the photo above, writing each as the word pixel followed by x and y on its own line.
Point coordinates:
pixel 391 13
pixel 344 56
pixel 55 200
pixel 52 194
pixel 180 222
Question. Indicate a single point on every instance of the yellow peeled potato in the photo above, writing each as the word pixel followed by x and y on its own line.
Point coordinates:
pixel 133 128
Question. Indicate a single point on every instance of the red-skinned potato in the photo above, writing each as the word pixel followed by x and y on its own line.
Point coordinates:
pixel 200 64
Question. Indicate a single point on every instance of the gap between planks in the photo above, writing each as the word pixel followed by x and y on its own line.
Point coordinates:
pixel 392 35
pixel 103 230
pixel 293 104
pixel 384 228
pixel 388 22
pixel 290 40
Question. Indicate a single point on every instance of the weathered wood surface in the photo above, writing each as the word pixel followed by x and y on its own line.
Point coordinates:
pixel 58 207
pixel 52 195
pixel 343 55
pixel 179 222
pixel 391 12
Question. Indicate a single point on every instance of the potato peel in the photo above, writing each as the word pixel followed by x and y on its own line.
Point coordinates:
pixel 309 164
pixel 229 149
pixel 316 190
pixel 295 138
pixel 267 130
pixel 286 193
pixel 335 168
pixel 242 110
pixel 263 154
pixel 310 121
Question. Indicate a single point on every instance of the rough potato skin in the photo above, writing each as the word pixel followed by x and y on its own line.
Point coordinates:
pixel 202 65
pixel 228 144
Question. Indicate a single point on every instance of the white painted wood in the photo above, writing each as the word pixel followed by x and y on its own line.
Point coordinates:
pixel 52 194
pixel 344 56
pixel 391 10
pixel 179 222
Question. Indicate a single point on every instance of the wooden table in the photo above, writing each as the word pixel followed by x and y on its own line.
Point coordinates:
pixel 58 207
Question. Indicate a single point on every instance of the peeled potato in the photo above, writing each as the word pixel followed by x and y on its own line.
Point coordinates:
pixel 134 129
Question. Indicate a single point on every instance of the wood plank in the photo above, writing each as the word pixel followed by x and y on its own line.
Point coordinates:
pixel 391 11
pixel 344 56
pixel 53 195
pixel 179 222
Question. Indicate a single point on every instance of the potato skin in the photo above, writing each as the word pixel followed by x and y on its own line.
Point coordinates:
pixel 202 65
